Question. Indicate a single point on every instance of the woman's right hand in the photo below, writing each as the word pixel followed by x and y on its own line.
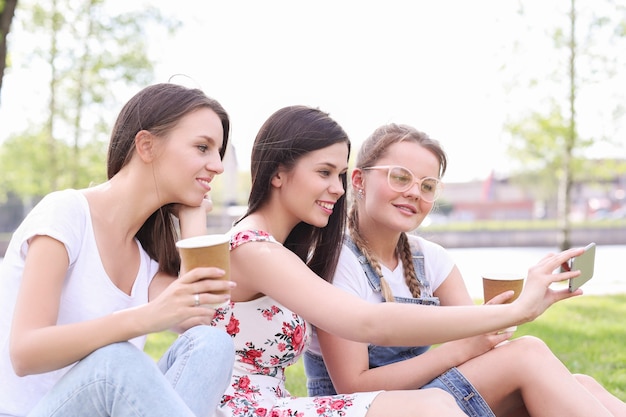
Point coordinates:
pixel 537 295
pixel 175 307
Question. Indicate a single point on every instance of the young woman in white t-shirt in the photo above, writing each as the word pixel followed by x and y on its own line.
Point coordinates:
pixel 395 183
pixel 89 273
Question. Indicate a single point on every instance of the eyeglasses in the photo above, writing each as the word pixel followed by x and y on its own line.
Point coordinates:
pixel 400 179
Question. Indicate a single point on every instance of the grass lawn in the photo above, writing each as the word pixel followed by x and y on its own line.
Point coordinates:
pixel 587 333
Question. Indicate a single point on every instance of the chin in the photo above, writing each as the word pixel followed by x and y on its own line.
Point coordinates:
pixel 319 223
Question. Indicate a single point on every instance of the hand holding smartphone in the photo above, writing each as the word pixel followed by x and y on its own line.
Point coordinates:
pixel 584 263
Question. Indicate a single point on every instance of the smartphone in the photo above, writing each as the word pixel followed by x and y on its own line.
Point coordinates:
pixel 583 262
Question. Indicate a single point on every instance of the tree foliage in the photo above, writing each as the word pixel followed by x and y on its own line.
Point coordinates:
pixel 91 55
pixel 548 143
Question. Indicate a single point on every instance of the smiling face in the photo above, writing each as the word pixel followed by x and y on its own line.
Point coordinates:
pixel 383 209
pixel 189 158
pixel 309 191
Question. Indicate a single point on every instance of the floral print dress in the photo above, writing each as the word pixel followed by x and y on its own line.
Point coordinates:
pixel 268 338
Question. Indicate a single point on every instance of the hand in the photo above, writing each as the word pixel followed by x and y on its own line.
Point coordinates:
pixel 192 220
pixel 537 296
pixel 175 307
pixel 182 211
pixel 465 349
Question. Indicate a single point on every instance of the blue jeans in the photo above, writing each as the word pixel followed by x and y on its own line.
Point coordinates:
pixel 466 396
pixel 452 381
pixel 121 380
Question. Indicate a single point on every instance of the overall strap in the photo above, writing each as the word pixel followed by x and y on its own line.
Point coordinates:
pixel 373 278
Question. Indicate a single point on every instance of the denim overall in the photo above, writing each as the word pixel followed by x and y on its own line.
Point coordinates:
pixel 318 379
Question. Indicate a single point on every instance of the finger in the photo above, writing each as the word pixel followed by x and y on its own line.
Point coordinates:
pixel 502 336
pixel 566 255
pixel 565 294
pixel 212 286
pixel 501 298
pixel 207 203
pixel 201 273
pixel 555 260
pixel 212 300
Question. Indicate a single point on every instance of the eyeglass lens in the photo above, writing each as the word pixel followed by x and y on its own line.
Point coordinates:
pixel 401 179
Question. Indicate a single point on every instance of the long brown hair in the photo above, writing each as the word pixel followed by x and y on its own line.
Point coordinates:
pixel 373 149
pixel 284 138
pixel 157 109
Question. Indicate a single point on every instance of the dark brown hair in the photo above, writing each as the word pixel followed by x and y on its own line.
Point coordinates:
pixel 157 109
pixel 284 138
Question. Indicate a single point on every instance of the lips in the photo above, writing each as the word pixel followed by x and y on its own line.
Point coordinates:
pixel 406 208
pixel 327 206
pixel 205 183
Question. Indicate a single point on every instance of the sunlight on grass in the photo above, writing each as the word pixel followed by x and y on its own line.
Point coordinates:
pixel 587 333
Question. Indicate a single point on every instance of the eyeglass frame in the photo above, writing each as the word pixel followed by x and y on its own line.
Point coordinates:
pixel 418 181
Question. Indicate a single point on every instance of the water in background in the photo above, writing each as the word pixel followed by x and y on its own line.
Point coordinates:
pixel 609 275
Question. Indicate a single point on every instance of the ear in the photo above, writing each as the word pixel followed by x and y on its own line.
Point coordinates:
pixel 357 180
pixel 278 178
pixel 144 144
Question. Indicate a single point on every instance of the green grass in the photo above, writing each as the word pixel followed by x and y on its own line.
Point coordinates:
pixel 587 333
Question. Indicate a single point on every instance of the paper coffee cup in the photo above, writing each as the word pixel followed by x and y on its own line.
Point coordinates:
pixel 495 283
pixel 203 251
pixel 499 282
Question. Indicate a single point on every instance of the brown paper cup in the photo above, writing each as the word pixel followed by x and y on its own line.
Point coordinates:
pixel 497 283
pixel 206 250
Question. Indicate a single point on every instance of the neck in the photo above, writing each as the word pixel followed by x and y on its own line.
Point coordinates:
pixel 120 206
pixel 380 243
pixel 269 221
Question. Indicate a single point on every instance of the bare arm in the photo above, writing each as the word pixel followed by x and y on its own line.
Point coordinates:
pixel 452 291
pixel 192 222
pixel 348 362
pixel 268 268
pixel 38 344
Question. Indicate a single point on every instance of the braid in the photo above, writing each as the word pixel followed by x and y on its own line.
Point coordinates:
pixel 361 244
pixel 404 249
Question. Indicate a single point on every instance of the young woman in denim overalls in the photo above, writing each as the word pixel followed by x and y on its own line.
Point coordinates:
pixel 395 183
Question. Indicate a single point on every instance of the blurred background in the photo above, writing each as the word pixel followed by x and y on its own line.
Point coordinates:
pixel 527 98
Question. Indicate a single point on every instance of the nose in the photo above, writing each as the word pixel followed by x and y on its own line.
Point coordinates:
pixel 336 187
pixel 215 164
pixel 413 191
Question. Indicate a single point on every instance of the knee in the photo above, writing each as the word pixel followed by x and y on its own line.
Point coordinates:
pixel 215 343
pixel 531 346
pixel 115 360
pixel 114 353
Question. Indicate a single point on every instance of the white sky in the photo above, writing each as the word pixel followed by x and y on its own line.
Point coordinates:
pixel 431 64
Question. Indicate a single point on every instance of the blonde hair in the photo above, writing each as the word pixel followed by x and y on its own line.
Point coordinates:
pixel 374 148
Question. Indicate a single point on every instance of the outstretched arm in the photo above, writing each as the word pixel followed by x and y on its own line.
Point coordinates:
pixel 269 268
pixel 348 362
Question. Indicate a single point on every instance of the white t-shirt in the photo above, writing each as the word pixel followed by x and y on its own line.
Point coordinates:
pixel 350 276
pixel 87 293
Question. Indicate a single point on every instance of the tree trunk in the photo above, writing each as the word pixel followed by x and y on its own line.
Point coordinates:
pixel 6 17
pixel 565 186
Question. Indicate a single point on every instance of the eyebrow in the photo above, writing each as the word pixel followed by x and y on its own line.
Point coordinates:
pixel 211 140
pixel 331 165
